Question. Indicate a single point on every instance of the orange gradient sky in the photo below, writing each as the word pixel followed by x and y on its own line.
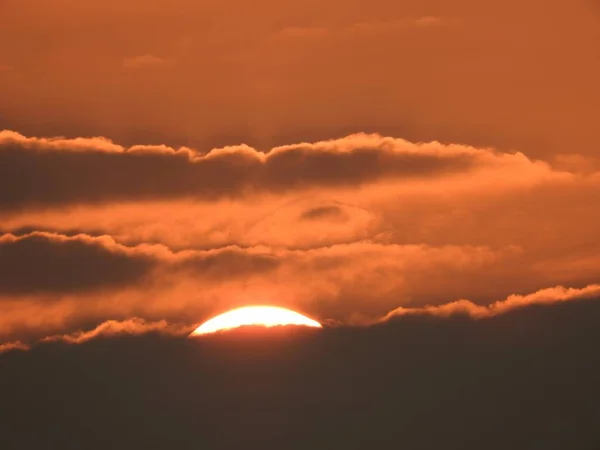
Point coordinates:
pixel 353 160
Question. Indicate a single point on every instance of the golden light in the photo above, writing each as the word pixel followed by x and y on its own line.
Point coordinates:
pixel 267 316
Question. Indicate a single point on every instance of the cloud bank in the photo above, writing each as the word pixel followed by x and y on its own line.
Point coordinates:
pixel 465 307
pixel 138 326
pixel 345 230
pixel 44 172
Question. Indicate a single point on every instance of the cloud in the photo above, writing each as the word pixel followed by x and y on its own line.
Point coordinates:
pixel 404 24
pixel 395 381
pixel 137 326
pixel 371 28
pixel 41 262
pixel 546 296
pixel 323 213
pixel 112 328
pixel 344 85
pixel 146 61
pixel 54 282
pixel 345 229
pixel 96 230
pixel 44 262
pixel 574 162
pixel 497 208
pixel 44 172
pixel 428 21
pixel 11 346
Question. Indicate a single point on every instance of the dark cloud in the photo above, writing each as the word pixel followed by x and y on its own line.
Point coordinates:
pixel 52 283
pixel 438 264
pixel 324 212
pixel 53 263
pixel 43 172
pixel 450 311
pixel 45 262
pixel 523 380
pixel 227 263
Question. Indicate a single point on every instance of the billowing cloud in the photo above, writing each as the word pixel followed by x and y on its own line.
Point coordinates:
pixel 345 229
pixel 546 296
pixel 138 326
pixel 432 197
pixel 50 262
pixel 43 172
pixel 235 83
pixel 63 281
pixel 43 262
pixel 505 381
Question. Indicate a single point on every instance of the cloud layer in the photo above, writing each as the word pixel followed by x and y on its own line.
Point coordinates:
pixel 465 307
pixel 137 326
pixel 41 172
pixel 274 73
pixel 345 230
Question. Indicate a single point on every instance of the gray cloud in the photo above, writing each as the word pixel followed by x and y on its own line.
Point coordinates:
pixel 324 212
pixel 46 263
pixel 52 263
pixel 44 172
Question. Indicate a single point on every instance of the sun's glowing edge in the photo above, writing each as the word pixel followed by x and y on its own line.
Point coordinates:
pixel 266 316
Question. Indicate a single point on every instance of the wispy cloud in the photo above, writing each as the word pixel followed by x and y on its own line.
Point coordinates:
pixel 146 61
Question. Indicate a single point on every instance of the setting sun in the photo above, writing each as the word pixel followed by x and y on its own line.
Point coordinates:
pixel 267 316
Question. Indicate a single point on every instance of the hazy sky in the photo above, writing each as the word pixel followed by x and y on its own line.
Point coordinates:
pixel 344 158
pixel 511 74
pixel 421 177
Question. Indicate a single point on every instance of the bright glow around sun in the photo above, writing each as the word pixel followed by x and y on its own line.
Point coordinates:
pixel 267 316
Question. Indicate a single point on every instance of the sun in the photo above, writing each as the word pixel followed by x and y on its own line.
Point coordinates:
pixel 267 316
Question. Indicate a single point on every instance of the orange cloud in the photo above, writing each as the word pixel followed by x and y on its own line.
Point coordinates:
pixel 11 346
pixel 50 262
pixel 465 307
pixel 345 229
pixel 130 327
pixel 218 93
pixel 230 172
pixel 146 61
pixel 428 21
pixel 63 281
pixel 139 326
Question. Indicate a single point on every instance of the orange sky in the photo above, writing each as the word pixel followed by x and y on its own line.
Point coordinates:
pixel 348 159
pixel 510 74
